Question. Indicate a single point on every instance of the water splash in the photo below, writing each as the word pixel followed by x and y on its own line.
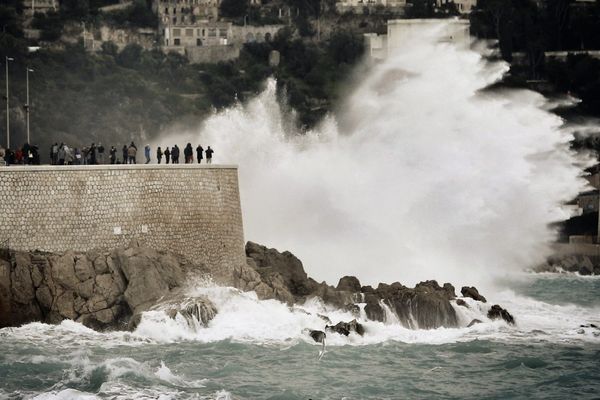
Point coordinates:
pixel 421 175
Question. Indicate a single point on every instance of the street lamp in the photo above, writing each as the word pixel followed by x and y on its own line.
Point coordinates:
pixel 7 59
pixel 27 105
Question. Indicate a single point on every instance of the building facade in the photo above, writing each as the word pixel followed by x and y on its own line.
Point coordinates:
pixel 463 6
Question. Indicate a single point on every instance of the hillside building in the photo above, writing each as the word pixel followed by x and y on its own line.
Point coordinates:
pixel 399 31
pixel 463 6
pixel 30 7
pixel 363 6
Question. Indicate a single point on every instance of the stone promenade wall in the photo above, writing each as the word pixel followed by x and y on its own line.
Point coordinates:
pixel 189 209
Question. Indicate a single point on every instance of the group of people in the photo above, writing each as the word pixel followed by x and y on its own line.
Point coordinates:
pixel 25 155
pixel 62 154
pixel 188 153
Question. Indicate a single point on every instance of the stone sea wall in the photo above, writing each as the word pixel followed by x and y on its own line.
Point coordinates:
pixel 190 210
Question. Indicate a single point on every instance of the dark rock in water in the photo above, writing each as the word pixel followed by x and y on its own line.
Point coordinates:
pixel 318 336
pixel 497 312
pixel 448 288
pixel 373 309
pixel 589 326
pixel 350 284
pixel 285 264
pixel 461 302
pixel 585 270
pixel 353 309
pixel 344 328
pixel 474 322
pixel 473 293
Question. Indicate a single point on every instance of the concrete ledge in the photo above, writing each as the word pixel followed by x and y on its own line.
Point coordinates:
pixel 104 167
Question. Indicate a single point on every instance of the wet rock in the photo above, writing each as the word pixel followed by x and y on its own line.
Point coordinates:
pixel 497 312
pixel 473 293
pixel 350 284
pixel 317 336
pixel 373 309
pixel 345 328
pixel 586 270
pixel 83 269
pixel 462 303
pixel 474 322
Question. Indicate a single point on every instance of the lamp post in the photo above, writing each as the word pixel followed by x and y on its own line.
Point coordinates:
pixel 27 105
pixel 7 60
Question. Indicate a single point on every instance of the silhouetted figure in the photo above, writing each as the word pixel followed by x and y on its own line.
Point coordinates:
pixel 175 154
pixel 100 153
pixel 147 153
pixel 61 154
pixel 209 152
pixel 54 154
pixel 92 154
pixel 188 152
pixel 167 155
pixel 26 153
pixel 199 151
pixel 159 154
pixel 113 155
pixel 124 150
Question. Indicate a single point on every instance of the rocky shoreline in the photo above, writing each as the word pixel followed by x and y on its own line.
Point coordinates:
pixel 110 290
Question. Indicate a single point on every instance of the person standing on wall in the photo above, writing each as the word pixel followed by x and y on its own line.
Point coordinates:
pixel 92 153
pixel 147 153
pixel 167 155
pixel 113 155
pixel 199 151
pixel 209 153
pixel 131 154
pixel 54 154
pixel 188 152
pixel 100 153
pixel 159 154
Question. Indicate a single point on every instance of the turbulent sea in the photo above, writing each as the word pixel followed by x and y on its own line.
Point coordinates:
pixel 257 350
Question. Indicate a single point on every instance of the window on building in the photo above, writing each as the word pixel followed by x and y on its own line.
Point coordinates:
pixel 198 42
pixel 189 32
pixel 198 32
pixel 166 10
pixel 223 33
pixel 176 41
pixel 203 32
pixel 174 20
pixel 212 32
pixel 176 32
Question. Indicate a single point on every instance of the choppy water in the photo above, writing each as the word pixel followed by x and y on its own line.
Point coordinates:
pixel 257 350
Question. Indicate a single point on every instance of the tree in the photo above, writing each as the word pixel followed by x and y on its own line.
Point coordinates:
pixel 233 8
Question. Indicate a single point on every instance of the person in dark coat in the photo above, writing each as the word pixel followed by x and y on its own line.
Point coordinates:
pixel 189 153
pixel 199 151
pixel 113 155
pixel 175 154
pixel 159 154
pixel 124 150
pixel 167 155
pixel 92 154
pixel 209 153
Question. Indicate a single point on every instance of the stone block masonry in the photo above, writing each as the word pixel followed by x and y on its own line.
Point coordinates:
pixel 193 210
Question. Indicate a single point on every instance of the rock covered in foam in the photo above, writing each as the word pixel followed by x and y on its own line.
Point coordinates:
pixel 497 312
pixel 473 293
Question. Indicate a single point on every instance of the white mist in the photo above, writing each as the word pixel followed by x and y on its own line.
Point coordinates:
pixel 430 178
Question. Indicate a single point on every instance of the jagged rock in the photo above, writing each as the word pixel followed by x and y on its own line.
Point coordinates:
pixel 367 289
pixel 318 336
pixel 373 309
pixel 101 264
pixel 473 293
pixel 63 271
pixel 36 277
pixel 83 269
pixel 449 289
pixel 497 312
pixel 198 310
pixel 350 284
pixel 65 305
pixel 344 328
pixel 22 285
pixel 285 264
pixel 86 289
pixel 44 297
pixel 474 322
pixel 586 270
